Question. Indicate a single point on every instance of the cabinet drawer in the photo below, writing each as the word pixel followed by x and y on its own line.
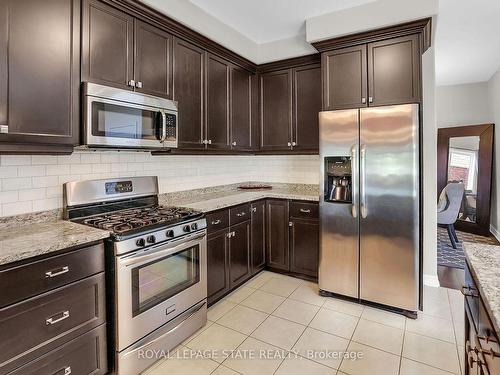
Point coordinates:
pixel 239 214
pixel 40 324
pixel 303 210
pixel 217 220
pixel 83 355
pixel 28 280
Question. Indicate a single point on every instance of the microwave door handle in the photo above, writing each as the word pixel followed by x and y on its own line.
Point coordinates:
pixel 163 136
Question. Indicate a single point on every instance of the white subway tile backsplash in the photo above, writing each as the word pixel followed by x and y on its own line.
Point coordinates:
pixel 34 183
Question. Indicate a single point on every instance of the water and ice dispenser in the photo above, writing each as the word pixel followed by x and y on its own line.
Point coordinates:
pixel 338 179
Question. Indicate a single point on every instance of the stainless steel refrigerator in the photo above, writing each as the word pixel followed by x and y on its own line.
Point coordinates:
pixel 370 205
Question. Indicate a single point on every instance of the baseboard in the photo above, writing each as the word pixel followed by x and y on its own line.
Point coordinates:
pixel 431 280
pixel 494 231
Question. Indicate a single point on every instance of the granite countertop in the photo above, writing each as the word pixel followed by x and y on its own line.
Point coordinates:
pixel 484 262
pixel 26 241
pixel 212 201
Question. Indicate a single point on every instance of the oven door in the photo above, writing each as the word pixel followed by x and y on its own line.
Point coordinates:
pixel 113 123
pixel 157 284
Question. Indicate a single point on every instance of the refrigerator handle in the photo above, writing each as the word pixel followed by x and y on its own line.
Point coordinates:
pixel 362 182
pixel 354 182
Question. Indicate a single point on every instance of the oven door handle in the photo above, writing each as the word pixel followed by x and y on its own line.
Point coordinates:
pixel 191 314
pixel 138 258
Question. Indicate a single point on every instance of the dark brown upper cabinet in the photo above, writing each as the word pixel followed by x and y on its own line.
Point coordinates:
pixel 189 92
pixel 277 234
pixel 39 75
pixel 306 107
pixel 217 108
pixel 394 71
pixel 276 110
pixel 345 78
pixel 121 51
pixel 240 133
pixel 153 60
pixel 107 50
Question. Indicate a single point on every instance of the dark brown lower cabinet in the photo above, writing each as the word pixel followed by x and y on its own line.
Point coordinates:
pixel 258 236
pixel 83 355
pixel 217 264
pixel 304 246
pixel 239 253
pixel 277 233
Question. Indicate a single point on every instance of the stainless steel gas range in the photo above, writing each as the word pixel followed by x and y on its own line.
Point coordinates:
pixel 157 265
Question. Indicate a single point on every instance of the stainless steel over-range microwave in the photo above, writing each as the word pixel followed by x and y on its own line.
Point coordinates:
pixel 119 118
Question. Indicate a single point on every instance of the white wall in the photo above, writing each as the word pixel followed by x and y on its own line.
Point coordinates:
pixel 429 150
pixel 34 183
pixel 465 104
pixel 494 107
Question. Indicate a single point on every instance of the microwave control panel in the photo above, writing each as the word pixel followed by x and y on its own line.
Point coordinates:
pixel 171 125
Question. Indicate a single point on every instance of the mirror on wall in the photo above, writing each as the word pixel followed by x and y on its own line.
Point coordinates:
pixel 465 154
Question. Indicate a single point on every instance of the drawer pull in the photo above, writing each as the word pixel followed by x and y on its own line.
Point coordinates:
pixel 254 209
pixel 51 321
pixel 58 272
pixel 305 211
pixel 468 291
pixel 66 370
pixel 240 214
pixel 486 338
pixel 216 222
pixel 490 352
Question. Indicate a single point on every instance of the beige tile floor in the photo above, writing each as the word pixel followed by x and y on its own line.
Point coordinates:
pixel 285 318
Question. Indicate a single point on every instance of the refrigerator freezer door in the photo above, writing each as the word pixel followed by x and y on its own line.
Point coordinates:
pixel 339 236
pixel 389 206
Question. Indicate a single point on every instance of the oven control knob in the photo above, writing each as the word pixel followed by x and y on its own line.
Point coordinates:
pixel 170 233
pixel 194 226
pixel 187 228
pixel 151 239
pixel 140 242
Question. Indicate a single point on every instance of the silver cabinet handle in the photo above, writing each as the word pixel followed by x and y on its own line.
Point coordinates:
pixel 58 272
pixel 215 222
pixel 52 320
pixel 209 141
pixel 139 85
pixel 233 144
pixel 363 100
pixel 370 99
pixel 240 214
pixel 4 129
pixel 289 144
pixel 131 83
pixel 229 235
pixel 67 370
pixel 305 211
pixel 354 169
pixel 294 143
pixel 362 182
pixel 254 209
pixel 233 233
pixel 290 224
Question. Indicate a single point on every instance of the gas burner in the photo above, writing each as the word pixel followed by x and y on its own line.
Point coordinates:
pixel 127 221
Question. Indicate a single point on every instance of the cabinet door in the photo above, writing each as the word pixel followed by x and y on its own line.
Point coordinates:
pixel 239 253
pixel 277 233
pixel 107 51
pixel 304 247
pixel 344 78
pixel 276 110
pixel 189 77
pixel 217 131
pixel 258 236
pixel 241 109
pixel 394 71
pixel 217 265
pixel 39 72
pixel 306 107
pixel 153 60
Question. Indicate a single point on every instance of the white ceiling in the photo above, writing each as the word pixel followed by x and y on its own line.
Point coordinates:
pixel 264 21
pixel 467 41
